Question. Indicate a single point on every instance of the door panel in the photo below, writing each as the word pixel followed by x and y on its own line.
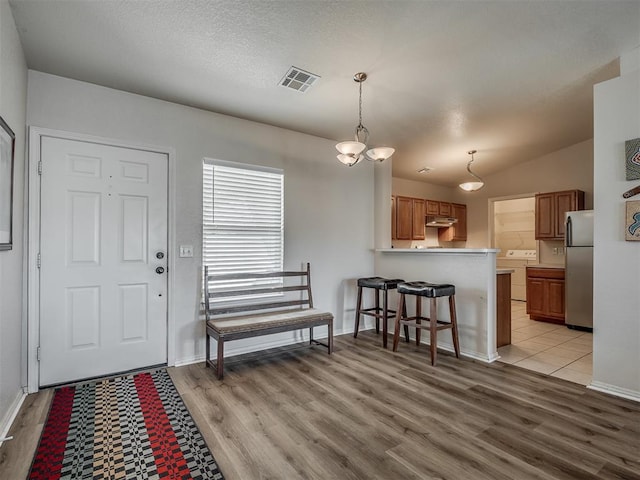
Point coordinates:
pixel 103 307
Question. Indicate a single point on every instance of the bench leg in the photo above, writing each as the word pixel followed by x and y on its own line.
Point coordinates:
pixel 220 365
pixel 208 357
pixel 310 335
pixel 330 342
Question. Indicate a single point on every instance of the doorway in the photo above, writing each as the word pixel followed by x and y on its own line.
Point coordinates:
pixel 546 348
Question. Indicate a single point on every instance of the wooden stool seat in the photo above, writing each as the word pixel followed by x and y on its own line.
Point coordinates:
pixel 379 284
pixel 433 291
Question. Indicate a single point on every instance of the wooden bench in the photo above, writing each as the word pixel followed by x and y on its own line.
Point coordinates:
pixel 226 323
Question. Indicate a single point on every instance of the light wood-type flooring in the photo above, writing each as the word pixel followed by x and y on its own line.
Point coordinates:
pixel 368 413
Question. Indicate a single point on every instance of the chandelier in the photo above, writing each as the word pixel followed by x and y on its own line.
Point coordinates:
pixel 475 184
pixel 351 152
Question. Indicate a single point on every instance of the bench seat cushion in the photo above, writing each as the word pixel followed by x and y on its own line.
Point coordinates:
pixel 260 321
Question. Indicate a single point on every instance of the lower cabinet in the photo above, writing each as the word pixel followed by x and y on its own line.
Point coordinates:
pixel 545 294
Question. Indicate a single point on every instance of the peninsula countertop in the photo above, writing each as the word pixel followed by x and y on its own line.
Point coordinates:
pixel 439 251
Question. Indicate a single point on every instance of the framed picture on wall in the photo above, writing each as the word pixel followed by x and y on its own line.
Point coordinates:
pixel 632 224
pixel 7 150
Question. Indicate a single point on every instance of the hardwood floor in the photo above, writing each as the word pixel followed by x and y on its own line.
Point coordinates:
pixel 369 413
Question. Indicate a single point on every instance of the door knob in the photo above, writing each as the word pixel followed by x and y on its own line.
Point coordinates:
pixel 160 270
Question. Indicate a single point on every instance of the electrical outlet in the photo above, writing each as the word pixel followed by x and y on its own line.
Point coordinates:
pixel 555 250
pixel 186 251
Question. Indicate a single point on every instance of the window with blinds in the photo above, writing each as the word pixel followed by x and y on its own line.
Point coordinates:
pixel 242 210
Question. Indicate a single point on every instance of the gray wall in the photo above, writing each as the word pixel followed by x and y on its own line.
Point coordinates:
pixel 328 214
pixel 616 297
pixel 13 99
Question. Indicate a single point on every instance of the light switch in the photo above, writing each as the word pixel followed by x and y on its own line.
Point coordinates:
pixel 186 251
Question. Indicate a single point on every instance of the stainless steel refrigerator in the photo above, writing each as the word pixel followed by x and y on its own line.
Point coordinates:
pixel 579 269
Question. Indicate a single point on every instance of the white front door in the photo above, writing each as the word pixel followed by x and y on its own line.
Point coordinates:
pixel 103 246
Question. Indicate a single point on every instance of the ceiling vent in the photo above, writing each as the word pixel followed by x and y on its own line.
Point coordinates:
pixel 425 170
pixel 298 79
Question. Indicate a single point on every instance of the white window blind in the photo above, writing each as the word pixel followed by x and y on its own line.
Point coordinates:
pixel 242 209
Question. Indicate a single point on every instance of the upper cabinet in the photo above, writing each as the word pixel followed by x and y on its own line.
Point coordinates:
pixel 444 209
pixel 432 207
pixel 458 231
pixel 394 235
pixel 550 210
pixel 409 218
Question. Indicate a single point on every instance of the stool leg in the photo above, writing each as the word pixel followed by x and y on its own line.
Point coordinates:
pixel 433 329
pixel 406 327
pixel 454 324
pixel 377 310
pixel 418 319
pixel 385 318
pixel 358 307
pixel 396 330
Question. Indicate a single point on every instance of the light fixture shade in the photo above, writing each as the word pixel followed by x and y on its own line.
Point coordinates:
pixel 471 186
pixel 379 154
pixel 350 147
pixel 349 160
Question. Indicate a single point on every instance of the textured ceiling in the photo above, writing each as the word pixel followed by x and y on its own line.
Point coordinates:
pixel 512 79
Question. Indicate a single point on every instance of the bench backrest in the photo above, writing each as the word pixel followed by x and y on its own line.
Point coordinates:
pixel 303 286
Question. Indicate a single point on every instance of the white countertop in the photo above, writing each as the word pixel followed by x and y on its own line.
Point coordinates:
pixel 504 271
pixel 457 251
pixel 547 265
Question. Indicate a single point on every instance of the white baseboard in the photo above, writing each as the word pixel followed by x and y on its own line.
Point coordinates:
pixel 8 419
pixel 616 391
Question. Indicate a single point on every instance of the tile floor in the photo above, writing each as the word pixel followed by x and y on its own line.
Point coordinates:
pixel 548 348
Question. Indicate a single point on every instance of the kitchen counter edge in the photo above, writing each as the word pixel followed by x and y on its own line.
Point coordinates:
pixel 431 251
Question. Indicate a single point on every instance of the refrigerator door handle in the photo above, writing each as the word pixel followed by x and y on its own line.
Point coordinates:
pixel 568 240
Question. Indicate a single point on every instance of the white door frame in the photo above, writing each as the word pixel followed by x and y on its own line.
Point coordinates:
pixel 491 215
pixel 35 135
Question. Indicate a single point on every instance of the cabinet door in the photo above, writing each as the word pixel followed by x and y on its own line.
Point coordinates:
pixel 555 300
pixel 404 218
pixel 444 209
pixel 432 207
pixel 393 217
pixel 535 296
pixel 418 219
pixel 459 211
pixel 545 218
pixel 566 202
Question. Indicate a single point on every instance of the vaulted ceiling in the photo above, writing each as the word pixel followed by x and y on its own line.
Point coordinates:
pixel 511 79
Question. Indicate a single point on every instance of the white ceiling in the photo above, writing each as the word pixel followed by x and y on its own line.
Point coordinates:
pixel 512 79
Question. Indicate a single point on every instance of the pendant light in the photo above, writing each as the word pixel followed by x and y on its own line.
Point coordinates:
pixel 476 184
pixel 351 152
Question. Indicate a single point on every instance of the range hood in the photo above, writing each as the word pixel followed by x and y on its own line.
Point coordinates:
pixel 438 221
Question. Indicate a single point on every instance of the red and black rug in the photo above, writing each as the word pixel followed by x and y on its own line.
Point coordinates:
pixel 130 427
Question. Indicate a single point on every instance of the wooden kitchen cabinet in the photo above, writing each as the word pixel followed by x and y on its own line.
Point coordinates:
pixel 444 209
pixel 458 231
pixel 409 218
pixel 393 218
pixel 545 294
pixel 432 207
pixel 550 210
pixel 418 219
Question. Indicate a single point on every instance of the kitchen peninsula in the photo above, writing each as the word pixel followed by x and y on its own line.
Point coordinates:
pixel 472 271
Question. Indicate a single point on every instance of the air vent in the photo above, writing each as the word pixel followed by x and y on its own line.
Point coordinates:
pixel 298 79
pixel 425 169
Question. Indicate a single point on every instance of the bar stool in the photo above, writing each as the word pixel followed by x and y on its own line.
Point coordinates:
pixel 379 284
pixel 432 291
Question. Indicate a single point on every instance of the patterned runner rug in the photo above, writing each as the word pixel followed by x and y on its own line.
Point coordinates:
pixel 130 427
